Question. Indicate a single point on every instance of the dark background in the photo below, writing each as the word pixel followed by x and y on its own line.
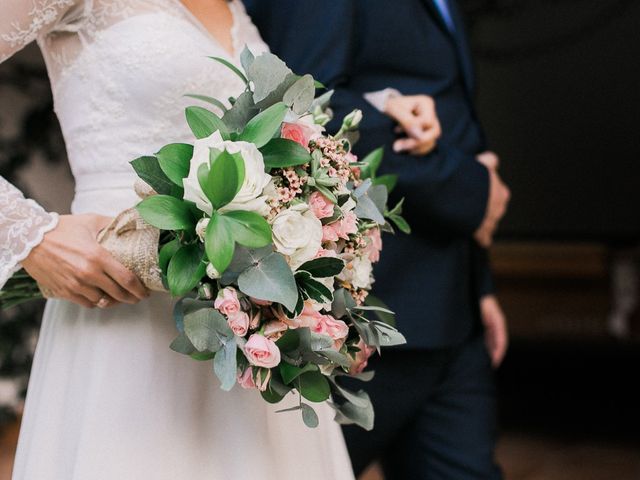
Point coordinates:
pixel 559 95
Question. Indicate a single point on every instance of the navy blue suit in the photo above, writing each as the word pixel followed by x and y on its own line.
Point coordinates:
pixel 433 397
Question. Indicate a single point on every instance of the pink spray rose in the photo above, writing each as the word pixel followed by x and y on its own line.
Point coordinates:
pixel 374 246
pixel 348 225
pixel 308 318
pixel 227 301
pixel 330 232
pixel 320 205
pixel 239 323
pixel 336 329
pixel 296 132
pixel 362 358
pixel 262 352
pixel 275 329
pixel 245 380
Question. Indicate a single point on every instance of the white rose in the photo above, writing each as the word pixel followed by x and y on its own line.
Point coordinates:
pixel 357 271
pixel 212 273
pixel 297 233
pixel 250 197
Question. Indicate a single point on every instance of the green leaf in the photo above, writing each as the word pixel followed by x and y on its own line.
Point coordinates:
pixel 300 95
pixel 309 416
pixel 231 67
pixel 225 365
pixel 348 414
pixel 207 329
pixel 248 228
pixel 148 169
pixel 265 125
pixel 401 223
pixel 186 269
pixel 289 341
pixel 224 178
pixel 282 153
pixel 204 98
pixel 166 213
pixel 323 267
pixel 313 386
pixel 270 279
pixel 219 243
pixel 372 162
pixel 327 193
pixel 203 123
pixel 390 181
pixel 291 372
pixel 174 160
pixel 167 251
pixel 243 258
pixel 317 291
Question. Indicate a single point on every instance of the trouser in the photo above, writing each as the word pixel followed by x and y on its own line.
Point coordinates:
pixel 435 415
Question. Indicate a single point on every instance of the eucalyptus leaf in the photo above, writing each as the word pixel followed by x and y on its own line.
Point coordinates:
pixel 359 399
pixel 148 169
pixel 243 258
pixel 348 414
pixel 166 213
pixel 309 416
pixel 267 72
pixel 243 110
pixel 182 344
pixel 207 329
pixel 270 279
pixel 225 365
pixel 246 58
pixel 366 208
pixel 313 386
pixel 300 95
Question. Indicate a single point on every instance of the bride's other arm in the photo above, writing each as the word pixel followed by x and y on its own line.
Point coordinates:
pixel 61 253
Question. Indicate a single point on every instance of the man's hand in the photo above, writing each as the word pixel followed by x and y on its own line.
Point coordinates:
pixel 499 196
pixel 416 116
pixel 495 328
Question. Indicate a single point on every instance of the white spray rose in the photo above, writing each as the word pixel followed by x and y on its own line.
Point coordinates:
pixel 357 271
pixel 250 197
pixel 201 228
pixel 297 233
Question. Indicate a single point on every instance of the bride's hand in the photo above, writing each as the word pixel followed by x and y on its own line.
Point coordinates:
pixel 73 265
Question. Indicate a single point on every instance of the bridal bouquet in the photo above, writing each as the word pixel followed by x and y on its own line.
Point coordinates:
pixel 267 228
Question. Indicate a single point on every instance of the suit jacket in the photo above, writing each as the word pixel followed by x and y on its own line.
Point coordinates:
pixel 433 278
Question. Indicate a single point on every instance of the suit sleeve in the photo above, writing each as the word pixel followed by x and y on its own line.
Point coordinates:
pixel 445 191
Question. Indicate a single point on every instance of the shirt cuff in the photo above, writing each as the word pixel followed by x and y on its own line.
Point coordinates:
pixel 380 98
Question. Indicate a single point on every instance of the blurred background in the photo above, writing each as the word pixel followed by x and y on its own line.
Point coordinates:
pixel 559 95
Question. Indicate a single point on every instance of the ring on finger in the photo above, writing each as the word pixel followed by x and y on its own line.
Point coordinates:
pixel 103 302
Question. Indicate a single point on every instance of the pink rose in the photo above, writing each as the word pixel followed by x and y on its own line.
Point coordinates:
pixel 262 352
pixel 330 232
pixel 348 225
pixel 320 205
pixel 361 358
pixel 275 329
pixel 296 132
pixel 239 323
pixel 308 318
pixel 227 301
pixel 373 248
pixel 336 329
pixel 245 380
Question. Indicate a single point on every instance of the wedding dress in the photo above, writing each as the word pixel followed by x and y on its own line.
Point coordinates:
pixel 107 397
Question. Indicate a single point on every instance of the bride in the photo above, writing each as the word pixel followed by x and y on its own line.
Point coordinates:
pixel 107 397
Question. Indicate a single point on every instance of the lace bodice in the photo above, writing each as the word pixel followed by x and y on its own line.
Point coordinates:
pixel 119 70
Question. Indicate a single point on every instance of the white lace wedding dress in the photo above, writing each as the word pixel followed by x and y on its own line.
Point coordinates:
pixel 107 398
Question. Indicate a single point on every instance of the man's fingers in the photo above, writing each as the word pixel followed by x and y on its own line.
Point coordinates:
pixel 405 144
pixel 125 279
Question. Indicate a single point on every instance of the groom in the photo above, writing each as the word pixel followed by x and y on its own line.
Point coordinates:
pixel 434 398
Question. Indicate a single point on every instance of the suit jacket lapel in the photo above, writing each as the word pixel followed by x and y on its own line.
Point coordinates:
pixel 458 38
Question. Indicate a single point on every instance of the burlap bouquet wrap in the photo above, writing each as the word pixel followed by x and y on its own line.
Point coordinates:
pixel 134 243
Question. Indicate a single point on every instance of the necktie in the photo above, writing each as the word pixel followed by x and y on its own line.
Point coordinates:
pixel 445 12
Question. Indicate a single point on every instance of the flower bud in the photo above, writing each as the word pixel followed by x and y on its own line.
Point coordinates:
pixel 352 120
pixel 201 228
pixel 212 273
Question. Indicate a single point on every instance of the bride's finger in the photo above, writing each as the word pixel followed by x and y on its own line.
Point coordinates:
pixel 125 279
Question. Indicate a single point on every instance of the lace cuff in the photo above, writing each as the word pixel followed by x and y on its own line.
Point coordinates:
pixel 23 223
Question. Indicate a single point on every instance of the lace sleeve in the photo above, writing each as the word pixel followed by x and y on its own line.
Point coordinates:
pixel 22 21
pixel 23 223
